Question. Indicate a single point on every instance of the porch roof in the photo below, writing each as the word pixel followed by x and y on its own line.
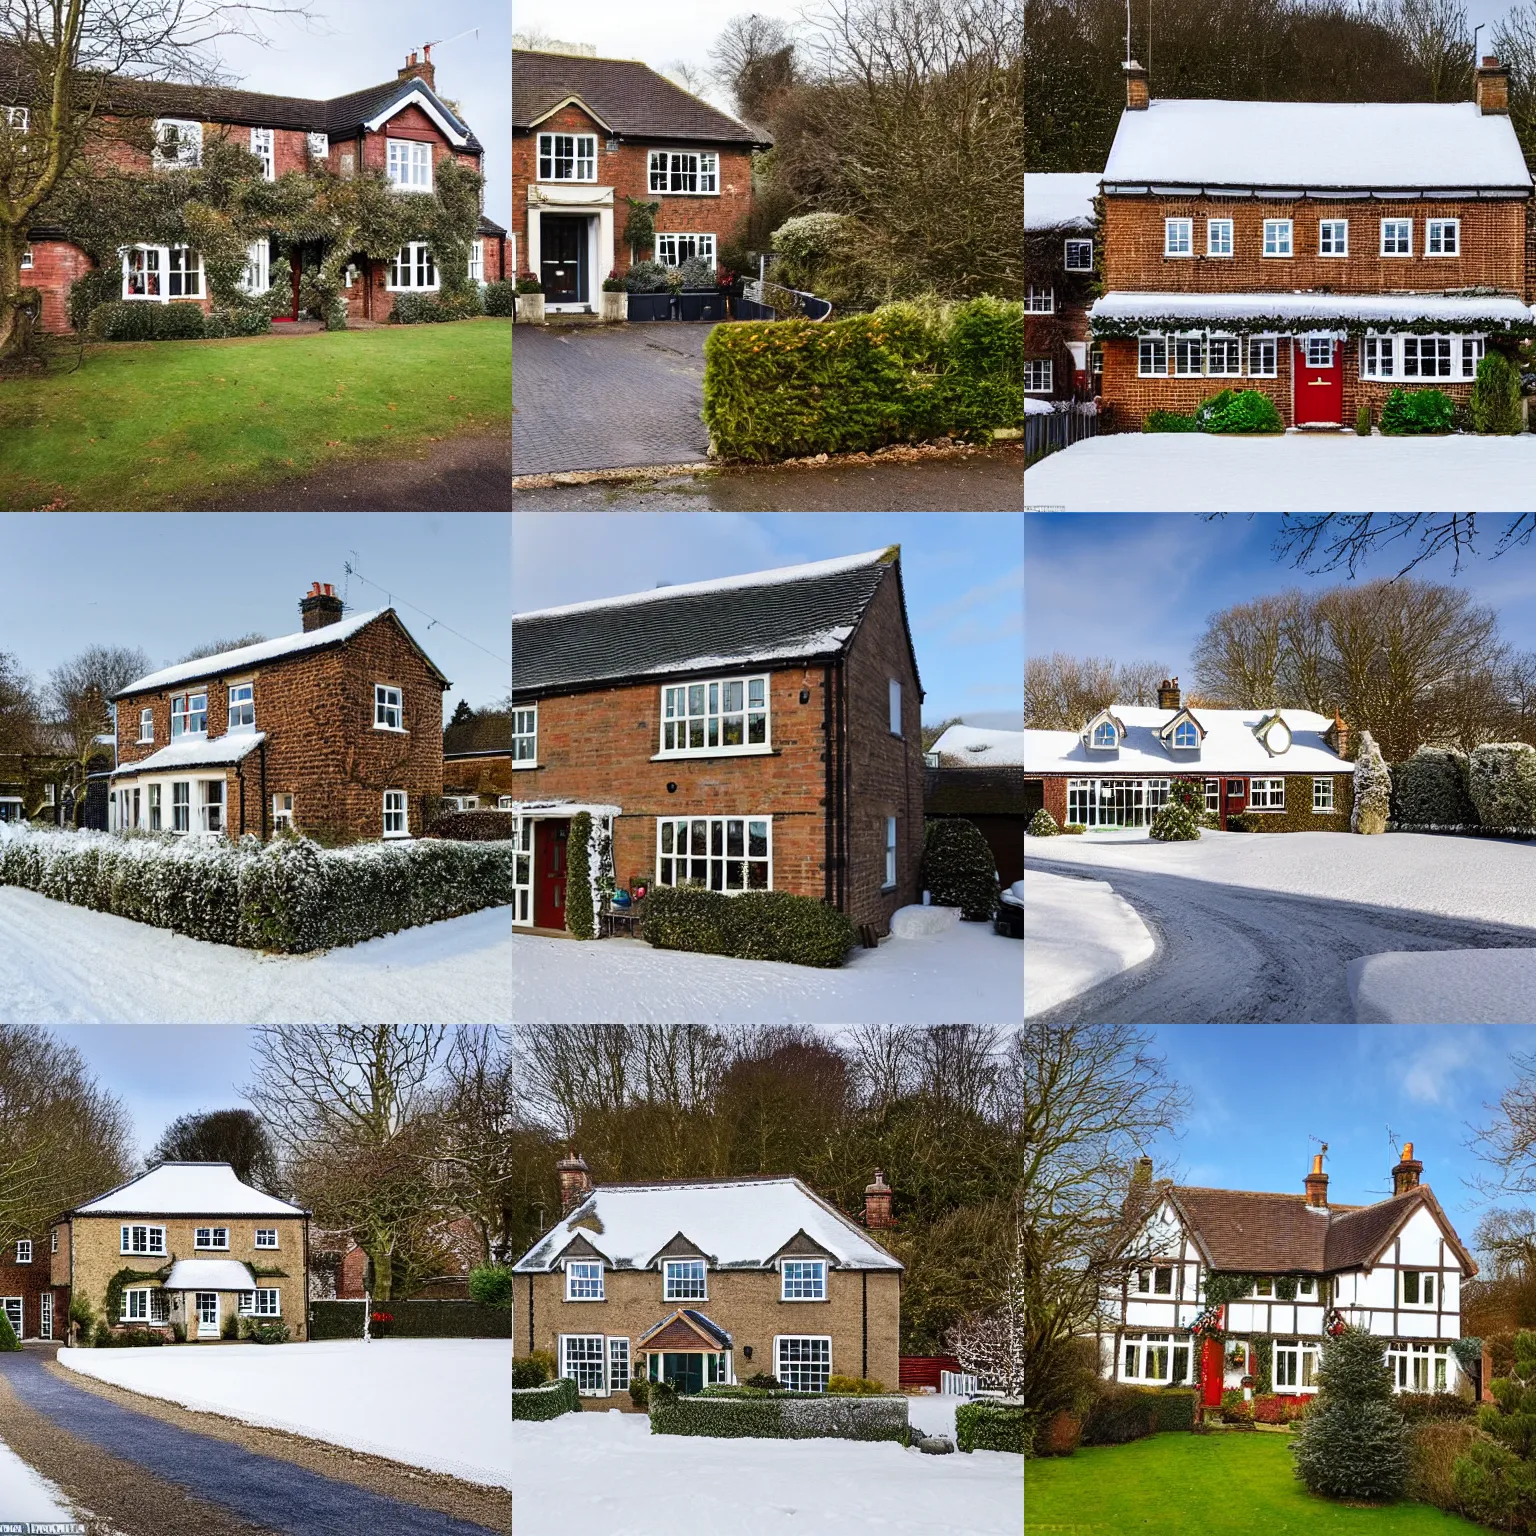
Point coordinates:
pixel 1124 312
pixel 196 753
pixel 543 809
pixel 209 1275
pixel 683 1331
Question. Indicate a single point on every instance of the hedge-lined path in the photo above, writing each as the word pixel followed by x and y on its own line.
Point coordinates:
pixel 590 397
pixel 150 1469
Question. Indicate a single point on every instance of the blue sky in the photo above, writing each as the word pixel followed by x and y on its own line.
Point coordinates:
pixel 1260 1093
pixel 170 581
pixel 963 575
pixel 1139 587
pixel 352 44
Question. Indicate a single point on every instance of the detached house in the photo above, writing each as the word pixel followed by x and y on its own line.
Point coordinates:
pixel 1060 230
pixel 198 1246
pixel 592 136
pixel 708 1282
pixel 1394 1268
pixel 35 1306
pixel 1289 767
pixel 1323 253
pixel 337 730
pixel 756 733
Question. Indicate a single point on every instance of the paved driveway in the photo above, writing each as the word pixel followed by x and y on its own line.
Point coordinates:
pixel 601 397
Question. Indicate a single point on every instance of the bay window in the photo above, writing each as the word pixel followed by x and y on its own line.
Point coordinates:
pixel 1426 357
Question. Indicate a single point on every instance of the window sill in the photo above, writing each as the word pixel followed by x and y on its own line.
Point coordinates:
pixel 524 766
pixel 396 837
pixel 394 730
pixel 709 752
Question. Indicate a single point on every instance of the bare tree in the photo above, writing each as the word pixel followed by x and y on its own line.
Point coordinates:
pixel 1237 659
pixel 1435 38
pixel 1329 541
pixel 215 647
pixel 80 693
pixel 692 77
pixel 19 711
pixel 753 59
pixel 1136 683
pixel 992 1343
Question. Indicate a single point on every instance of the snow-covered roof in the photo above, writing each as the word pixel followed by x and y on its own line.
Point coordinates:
pixel 1060 199
pixel 209 1275
pixel 1230 745
pixel 187 1189
pixel 1299 146
pixel 964 746
pixel 564 808
pixel 196 752
pixel 1315 311
pixel 735 1223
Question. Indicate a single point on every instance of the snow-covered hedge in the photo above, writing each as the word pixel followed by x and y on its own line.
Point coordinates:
pixel 985 1426
pixel 1042 824
pixel 755 925
pixel 289 895
pixel 1503 784
pixel 547 1402
pixel 1431 789
pixel 740 1413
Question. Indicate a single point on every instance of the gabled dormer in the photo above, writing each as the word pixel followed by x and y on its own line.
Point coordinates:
pixel 1104 732
pixel 1182 734
pixel 1273 734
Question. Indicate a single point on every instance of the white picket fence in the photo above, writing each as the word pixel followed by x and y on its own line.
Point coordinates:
pixel 958 1384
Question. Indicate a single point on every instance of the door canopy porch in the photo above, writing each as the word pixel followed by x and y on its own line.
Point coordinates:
pixel 684 1331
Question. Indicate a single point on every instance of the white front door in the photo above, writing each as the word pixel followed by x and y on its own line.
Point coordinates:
pixel 207 1314
pixel 46 1330
pixel 11 1305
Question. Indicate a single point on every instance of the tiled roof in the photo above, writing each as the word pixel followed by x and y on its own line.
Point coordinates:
pixel 631 98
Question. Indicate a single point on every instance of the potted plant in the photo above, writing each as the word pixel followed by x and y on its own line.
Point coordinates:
pixel 649 297
pixel 379 1324
pixel 530 299
pixel 699 298
pixel 614 304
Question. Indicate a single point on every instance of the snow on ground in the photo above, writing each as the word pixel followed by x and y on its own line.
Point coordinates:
pixel 606 1472
pixel 969 975
pixel 1077 933
pixel 68 965
pixel 1479 878
pixel 934 1412
pixel 1207 472
pixel 28 1496
pixel 436 1403
pixel 1469 986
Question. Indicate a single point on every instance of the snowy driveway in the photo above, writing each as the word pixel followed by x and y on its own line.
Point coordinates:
pixel 67 965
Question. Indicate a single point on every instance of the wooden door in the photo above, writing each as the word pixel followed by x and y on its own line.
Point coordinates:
pixel 1234 797
pixel 549 850
pixel 1212 1365
pixel 1319 373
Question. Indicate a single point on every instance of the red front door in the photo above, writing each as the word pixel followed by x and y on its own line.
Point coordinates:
pixel 1319 374
pixel 1212 1361
pixel 1234 797
pixel 549 840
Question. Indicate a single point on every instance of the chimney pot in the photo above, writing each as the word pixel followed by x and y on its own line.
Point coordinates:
pixel 319 607
pixel 1137 97
pixel 1405 1176
pixel 1316 1184
pixel 1168 695
pixel 575 1182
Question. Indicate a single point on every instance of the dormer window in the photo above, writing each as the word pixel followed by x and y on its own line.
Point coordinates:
pixel 1275 735
pixel 1105 735
pixel 685 1280
pixel 1185 735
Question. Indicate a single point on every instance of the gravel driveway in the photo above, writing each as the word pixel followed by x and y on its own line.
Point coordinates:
pixel 601 397
pixel 1229 954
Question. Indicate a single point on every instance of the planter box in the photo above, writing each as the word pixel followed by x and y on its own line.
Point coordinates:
pixel 614 307
pixel 530 308
pixel 704 305
pixel 650 306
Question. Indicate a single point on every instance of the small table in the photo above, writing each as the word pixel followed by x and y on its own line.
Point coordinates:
pixel 616 920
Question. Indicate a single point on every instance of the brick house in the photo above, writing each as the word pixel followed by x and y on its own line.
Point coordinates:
pixel 479 779
pixel 200 1246
pixel 35 1306
pixel 336 730
pixel 1059 262
pixel 1322 253
pixel 1289 767
pixel 758 732
pixel 589 133
pixel 709 1281
pixel 977 775
pixel 402 129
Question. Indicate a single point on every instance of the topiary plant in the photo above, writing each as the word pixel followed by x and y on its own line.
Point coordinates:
pixel 959 869
pixel 1363 421
pixel 1353 1444
pixel 1502 783
pixel 529 1371
pixel 1373 788
pixel 1495 402
pixel 491 1285
pixel 1495 1480
pixel 8 1339
pixel 579 917
pixel 1431 789
pixel 1174 823
pixel 1042 824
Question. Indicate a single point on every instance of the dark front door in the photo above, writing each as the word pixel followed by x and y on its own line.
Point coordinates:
pixel 549 840
pixel 1235 798
pixel 563 248
pixel 685 1372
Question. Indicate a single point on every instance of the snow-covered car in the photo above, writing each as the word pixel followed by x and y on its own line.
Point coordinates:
pixel 1009 920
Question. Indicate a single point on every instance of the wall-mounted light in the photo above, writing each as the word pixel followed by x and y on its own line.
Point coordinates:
pixel 671 789
pixel 805 695
pixel 746 1349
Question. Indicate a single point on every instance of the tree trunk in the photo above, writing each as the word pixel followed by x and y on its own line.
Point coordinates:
pixel 379 1252
pixel 15 322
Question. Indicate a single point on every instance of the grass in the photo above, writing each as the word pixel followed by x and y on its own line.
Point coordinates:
pixel 170 424
pixel 1228 1484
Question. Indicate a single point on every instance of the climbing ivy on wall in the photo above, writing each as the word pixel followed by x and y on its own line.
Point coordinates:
pixel 114 1302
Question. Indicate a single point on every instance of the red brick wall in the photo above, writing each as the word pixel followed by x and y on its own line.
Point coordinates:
pixel 30 1282
pixel 55 265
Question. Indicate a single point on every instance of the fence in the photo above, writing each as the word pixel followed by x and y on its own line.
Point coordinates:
pixel 958 1384
pixel 1066 423
pixel 925 1370
pixel 773 301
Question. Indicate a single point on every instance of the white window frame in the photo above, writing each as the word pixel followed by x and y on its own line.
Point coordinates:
pixel 1039 301
pixel 1140 1351
pixel 26 258
pixel 718 867
pixel 1155 1280
pixel 1435 231
pixel 1039 376
pixel 1185 736
pixel 1473 350
pixel 1231 348
pixel 797 1373
pixel 15 1310
pixel 1213 795
pixel 263 1233
pixel 1330 242
pixel 618 1364
pixel 676 1286
pixel 1295 1366
pixel 893 698
pixel 154 1238
pixel 1314 343
pixel 408 164
pixel 53 1240
pixel 581 156
pixel 1378 356
pixel 1405 1356
pixel 188 153
pixel 389 708
pixel 264 1301
pixel 188 713
pixel 159 267
pixel 594 1353
pixel 257 277
pixel 17 117
pixel 683 172
pixel 413 269
pixel 1432 349
pixel 1394 231
pixel 710 702
pixel 23 1250
pixel 241 703
pixel 147 726
pixel 890 854
pixel 1106 734
pixel 810 1278
pixel 525 736
pixel 282 814
pixel 1218 238
pixel 1423 1279
pixel 264 147
pixel 579 1277
pixel 1189 355
pixel 1267 788
pixel 397 820
pixel 1152 347
pixel 1178 238
pixel 208 1238
pixel 1279 239
pixel 1322 796
pixel 135 1305
pixel 153 799
pixel 1267 364
pixel 678 246
pixel 1073 257
pixel 211 807
pixel 477 261
pixel 318 145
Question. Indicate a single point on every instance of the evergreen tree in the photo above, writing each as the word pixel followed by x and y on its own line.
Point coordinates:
pixel 1353 1444
pixel 8 1339
pixel 462 714
pixel 1373 788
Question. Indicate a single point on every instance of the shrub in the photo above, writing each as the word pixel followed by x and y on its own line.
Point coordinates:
pixel 1411 411
pixel 1431 789
pixel 491 1285
pixel 1174 824
pixel 755 925
pixel 1495 402
pixel 229 1328
pixel 103 1337
pixel 335 1320
pixel 697 272
pixel 763 1381
pixel 1243 821
pixel 1235 1408
pixel 1433 1450
pixel 639 1391
pixel 269 1333
pixel 81 1315
pixel 1373 788
pixel 1363 421
pixel 1042 824
pixel 855 1386
pixel 1418 1406
pixel 1060 1436
pixel 529 1371
pixel 100 285
pixel 125 320
pixel 1502 784
pixel 546 1402
pixel 1168 421
pixel 418 309
pixel 1279 1408
pixel 613 283
pixel 8 1339
pixel 1074 829
pixel 1353 1444
pixel 480 826
pixel 1492 1485
pixel 499 298
pixel 1120 1413
pixel 129 1338
pixel 646 277
pixel 959 868
pixel 734 1415
pixel 528 283
pixel 1238 410
pixel 242 320
pixel 580 918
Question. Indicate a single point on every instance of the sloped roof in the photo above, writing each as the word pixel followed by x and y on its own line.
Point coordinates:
pixel 630 97
pixel 794 612
pixel 209 1275
pixel 738 1223
pixel 187 1189
pixel 968 746
pixel 1060 199
pixel 197 752
pixel 684 1329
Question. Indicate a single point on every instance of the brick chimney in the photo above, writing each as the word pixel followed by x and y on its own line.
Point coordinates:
pixel 1137 97
pixel 1337 735
pixel 1406 1175
pixel 1168 693
pixel 1490 87
pixel 1316 1184
pixel 877 1204
pixel 425 70
pixel 575 1182
pixel 320 606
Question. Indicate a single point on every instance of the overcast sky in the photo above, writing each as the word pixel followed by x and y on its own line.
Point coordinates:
pixel 352 44
pixel 170 581
pixel 962 573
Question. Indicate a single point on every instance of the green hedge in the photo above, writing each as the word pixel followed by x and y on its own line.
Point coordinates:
pixel 547 1402
pixel 747 1414
pixel 141 320
pixel 1238 410
pixel 288 895
pixel 990 1427
pixel 499 298
pixel 754 925
pixel 436 308
pixel 1412 411
pixel 98 286
pixel 1122 1413
pixel 336 1319
pixel 491 1285
pixel 778 389
pixel 247 320
pixel 426 1318
pixel 480 826
pixel 1168 421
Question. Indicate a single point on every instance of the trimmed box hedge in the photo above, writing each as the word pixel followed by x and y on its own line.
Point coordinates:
pixel 336 1319
pixel 481 826
pixel 289 895
pixel 984 1426
pixel 1122 1413
pixel 125 320
pixel 754 925
pixel 499 299
pixel 750 1414
pixel 427 1318
pixel 547 1402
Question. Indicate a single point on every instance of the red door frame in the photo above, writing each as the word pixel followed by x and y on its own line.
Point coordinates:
pixel 549 865
pixel 1318 393
pixel 1212 1371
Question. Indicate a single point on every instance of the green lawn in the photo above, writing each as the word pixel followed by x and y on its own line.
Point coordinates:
pixel 1225 1484
pixel 170 423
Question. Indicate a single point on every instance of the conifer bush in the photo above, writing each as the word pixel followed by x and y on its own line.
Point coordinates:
pixel 1495 402
pixel 1495 1479
pixel 8 1339
pixel 579 916
pixel 1502 784
pixel 1432 789
pixel 1042 824
pixel 1353 1443
pixel 1410 412
pixel 1373 789
pixel 1174 823
pixel 959 869
pixel 1238 410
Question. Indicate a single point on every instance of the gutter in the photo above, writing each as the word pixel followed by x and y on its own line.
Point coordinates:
pixel 263 750
pixel 827 782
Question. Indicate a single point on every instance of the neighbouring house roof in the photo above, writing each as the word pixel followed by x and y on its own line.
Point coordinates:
pixel 195 752
pixel 186 1189
pixel 735 1223
pixel 1301 146
pixel 967 746
pixel 796 612
pixel 1125 311
pixel 209 1275
pixel 629 97
pixel 974 791
pixel 1229 746
pixel 490 226
pixel 1060 199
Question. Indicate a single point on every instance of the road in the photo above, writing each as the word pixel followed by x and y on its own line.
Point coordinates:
pixel 1228 954
pixel 145 1475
